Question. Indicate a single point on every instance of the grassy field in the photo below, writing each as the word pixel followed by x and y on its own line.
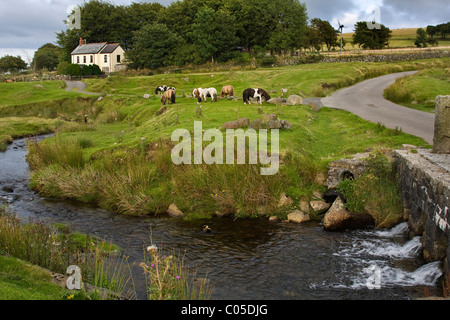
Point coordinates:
pixel 120 159
pixel 308 80
pixel 401 38
pixel 20 280
pixel 420 90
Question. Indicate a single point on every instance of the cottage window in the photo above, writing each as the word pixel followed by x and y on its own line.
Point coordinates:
pixel 92 59
pixel 118 58
pixel 84 59
pixel 106 58
pixel 78 59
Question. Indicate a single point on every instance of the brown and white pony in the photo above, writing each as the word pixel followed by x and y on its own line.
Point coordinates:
pixel 227 91
pixel 202 94
pixel 258 94
pixel 168 96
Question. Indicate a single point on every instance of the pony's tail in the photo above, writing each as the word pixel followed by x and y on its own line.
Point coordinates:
pixel 215 97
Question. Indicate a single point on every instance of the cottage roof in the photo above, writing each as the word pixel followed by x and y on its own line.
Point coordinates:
pixel 90 48
pixel 110 48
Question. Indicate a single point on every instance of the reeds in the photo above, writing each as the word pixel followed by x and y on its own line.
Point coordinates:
pixel 56 249
pixel 168 277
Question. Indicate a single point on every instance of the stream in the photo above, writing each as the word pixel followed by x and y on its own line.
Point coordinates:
pixel 245 259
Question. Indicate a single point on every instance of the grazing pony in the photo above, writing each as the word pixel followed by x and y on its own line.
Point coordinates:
pixel 196 93
pixel 160 89
pixel 169 96
pixel 227 91
pixel 257 94
pixel 202 94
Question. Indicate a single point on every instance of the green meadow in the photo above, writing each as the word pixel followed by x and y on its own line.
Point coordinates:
pixel 419 91
pixel 121 159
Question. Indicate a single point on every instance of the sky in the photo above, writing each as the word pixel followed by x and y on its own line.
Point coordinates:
pixel 26 25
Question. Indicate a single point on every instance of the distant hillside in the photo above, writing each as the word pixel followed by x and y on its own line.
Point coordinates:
pixel 401 38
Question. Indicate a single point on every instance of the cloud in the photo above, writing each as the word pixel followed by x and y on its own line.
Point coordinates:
pixel 32 23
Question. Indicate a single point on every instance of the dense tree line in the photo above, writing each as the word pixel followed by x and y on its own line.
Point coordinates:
pixel 196 31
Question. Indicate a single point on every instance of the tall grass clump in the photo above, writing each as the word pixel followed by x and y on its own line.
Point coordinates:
pixel 56 152
pixel 169 278
pixel 398 92
pixel 375 192
pixel 237 190
pixel 56 249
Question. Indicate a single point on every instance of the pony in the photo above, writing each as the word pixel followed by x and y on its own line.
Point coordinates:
pixel 169 96
pixel 227 90
pixel 196 93
pixel 202 94
pixel 160 89
pixel 257 94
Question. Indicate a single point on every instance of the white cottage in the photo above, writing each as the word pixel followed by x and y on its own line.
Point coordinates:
pixel 109 57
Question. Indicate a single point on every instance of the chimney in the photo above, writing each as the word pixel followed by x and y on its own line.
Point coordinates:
pixel 82 41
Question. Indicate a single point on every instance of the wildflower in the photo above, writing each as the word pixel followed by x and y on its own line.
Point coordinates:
pixel 152 266
pixel 152 248
pixel 70 297
pixel 177 277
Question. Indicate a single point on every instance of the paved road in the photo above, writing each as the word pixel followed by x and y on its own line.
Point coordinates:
pixel 78 86
pixel 366 101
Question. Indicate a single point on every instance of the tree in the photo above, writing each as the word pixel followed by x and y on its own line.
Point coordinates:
pixel 154 46
pixel 421 39
pixel 213 33
pixel 326 33
pixel 47 57
pixel 376 38
pixel 290 26
pixel 12 64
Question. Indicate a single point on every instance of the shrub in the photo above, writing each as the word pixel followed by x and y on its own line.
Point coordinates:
pixel 375 192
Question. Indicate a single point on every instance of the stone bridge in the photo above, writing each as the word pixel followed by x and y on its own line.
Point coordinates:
pixel 424 180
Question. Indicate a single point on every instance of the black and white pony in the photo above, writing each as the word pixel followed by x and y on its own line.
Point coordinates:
pixel 162 89
pixel 258 94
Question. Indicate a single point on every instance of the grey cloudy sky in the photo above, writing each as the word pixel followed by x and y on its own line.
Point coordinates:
pixel 25 25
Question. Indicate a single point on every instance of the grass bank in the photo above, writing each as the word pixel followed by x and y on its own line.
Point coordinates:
pixel 124 163
pixel 419 91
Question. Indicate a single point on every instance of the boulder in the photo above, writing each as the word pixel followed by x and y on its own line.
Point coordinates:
pixel 277 100
pixel 274 124
pixel 265 118
pixel 320 206
pixel 294 100
pixel 240 123
pixel 173 211
pixel 256 124
pixel 274 219
pixel 285 200
pixel 285 124
pixel 298 216
pixel 338 218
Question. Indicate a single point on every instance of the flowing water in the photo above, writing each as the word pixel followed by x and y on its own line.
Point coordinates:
pixel 245 259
